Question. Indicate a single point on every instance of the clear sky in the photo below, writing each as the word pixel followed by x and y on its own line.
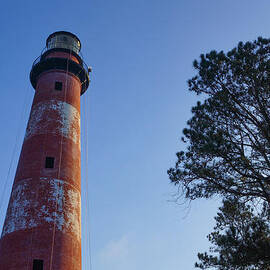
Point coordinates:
pixel 135 109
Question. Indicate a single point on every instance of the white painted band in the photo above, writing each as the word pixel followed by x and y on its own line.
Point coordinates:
pixel 61 206
pixel 54 116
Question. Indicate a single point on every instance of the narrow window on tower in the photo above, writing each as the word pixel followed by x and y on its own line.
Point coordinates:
pixel 38 265
pixel 58 86
pixel 49 163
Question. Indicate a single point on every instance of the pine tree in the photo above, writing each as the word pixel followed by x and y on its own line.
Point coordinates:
pixel 228 154
pixel 228 136
pixel 240 240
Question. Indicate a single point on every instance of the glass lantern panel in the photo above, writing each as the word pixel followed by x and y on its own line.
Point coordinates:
pixel 64 41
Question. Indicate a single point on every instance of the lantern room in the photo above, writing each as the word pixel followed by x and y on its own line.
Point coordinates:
pixel 63 40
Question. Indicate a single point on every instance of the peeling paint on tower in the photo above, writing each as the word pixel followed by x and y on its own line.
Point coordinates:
pixel 60 207
pixel 56 117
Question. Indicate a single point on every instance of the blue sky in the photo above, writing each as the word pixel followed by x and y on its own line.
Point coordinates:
pixel 137 104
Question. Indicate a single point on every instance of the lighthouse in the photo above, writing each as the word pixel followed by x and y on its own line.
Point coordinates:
pixel 42 228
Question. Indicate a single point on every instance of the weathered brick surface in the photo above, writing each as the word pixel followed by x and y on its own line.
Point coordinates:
pixel 43 219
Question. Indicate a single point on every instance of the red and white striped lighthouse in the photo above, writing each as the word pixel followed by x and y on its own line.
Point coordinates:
pixel 42 228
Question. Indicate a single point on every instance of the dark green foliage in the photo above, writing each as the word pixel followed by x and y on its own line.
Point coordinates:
pixel 228 154
pixel 241 239
pixel 228 137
